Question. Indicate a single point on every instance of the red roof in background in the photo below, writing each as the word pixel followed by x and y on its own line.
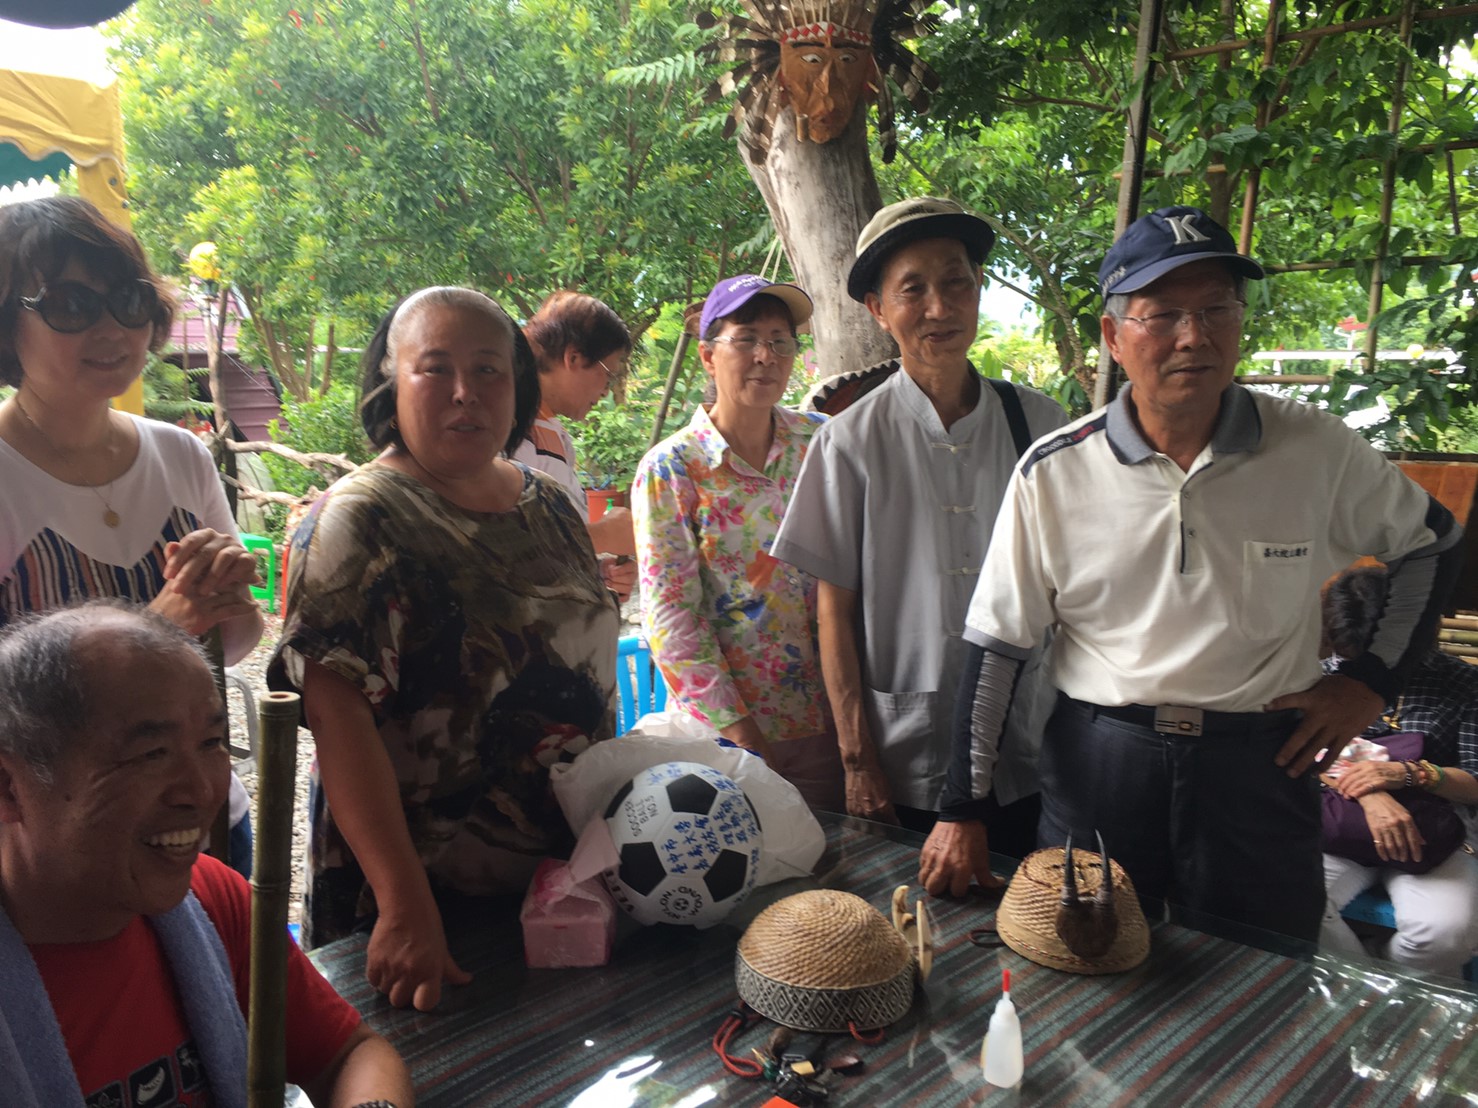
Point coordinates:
pixel 188 332
pixel 250 392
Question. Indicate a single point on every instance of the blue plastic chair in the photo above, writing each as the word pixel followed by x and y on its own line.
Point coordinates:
pixel 1374 906
pixel 638 682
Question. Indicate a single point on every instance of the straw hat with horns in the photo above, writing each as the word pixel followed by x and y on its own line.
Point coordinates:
pixel 1074 911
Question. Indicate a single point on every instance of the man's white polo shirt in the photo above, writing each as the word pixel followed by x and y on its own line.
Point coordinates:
pixel 1199 588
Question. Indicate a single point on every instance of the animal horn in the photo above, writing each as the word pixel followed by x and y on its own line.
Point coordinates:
pixel 1106 887
pixel 1069 876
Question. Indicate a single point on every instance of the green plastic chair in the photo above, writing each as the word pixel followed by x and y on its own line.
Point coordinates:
pixel 263 548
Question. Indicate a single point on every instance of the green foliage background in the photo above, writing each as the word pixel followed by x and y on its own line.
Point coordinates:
pixel 347 151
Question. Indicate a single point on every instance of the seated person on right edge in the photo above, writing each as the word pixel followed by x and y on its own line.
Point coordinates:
pixel 113 764
pixel 1436 911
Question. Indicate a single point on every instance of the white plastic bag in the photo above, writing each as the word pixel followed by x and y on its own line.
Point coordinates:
pixel 793 840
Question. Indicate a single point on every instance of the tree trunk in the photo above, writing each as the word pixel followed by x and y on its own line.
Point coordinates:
pixel 820 196
pixel 331 348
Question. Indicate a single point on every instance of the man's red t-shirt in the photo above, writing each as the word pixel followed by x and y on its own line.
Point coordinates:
pixel 124 1024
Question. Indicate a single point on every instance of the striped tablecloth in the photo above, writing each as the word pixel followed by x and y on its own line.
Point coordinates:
pixel 1204 1021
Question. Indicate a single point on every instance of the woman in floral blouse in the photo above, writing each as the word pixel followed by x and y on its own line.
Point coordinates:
pixel 733 630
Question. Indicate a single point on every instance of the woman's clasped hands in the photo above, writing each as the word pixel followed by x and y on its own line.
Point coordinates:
pixel 207 579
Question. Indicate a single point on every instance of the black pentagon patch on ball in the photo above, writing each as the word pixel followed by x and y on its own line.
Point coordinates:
pixel 691 793
pixel 621 794
pixel 726 876
pixel 641 867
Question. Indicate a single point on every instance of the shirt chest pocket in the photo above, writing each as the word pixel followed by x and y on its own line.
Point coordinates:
pixel 1275 587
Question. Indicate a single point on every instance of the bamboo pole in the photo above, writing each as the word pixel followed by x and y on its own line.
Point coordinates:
pixel 1136 136
pixel 667 390
pixel 220 828
pixel 271 885
pixel 1349 263
pixel 1388 191
pixel 1264 114
pixel 1284 378
pixel 1424 16
pixel 1423 148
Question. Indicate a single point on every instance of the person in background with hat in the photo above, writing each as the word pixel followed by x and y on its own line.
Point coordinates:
pixel 893 511
pixel 1177 539
pixel 733 631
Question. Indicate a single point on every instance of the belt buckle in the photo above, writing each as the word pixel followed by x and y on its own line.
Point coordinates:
pixel 1173 720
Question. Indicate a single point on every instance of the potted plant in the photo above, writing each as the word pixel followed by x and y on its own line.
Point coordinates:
pixel 609 443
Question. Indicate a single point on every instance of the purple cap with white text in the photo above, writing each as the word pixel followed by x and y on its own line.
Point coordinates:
pixel 732 293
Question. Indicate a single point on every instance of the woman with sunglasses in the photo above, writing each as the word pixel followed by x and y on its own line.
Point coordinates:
pixel 732 629
pixel 95 502
pixel 581 346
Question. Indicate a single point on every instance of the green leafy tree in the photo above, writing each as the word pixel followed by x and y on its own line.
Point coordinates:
pixel 363 148
pixel 1029 125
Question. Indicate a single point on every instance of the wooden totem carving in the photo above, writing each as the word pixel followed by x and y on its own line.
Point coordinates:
pixel 805 73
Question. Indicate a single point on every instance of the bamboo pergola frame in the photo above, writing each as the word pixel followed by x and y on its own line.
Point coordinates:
pixel 1133 173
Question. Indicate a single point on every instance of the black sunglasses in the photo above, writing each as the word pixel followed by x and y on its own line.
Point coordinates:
pixel 70 307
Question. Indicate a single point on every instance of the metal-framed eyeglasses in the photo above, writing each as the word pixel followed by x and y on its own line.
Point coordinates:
pixel 70 307
pixel 1212 320
pixel 748 345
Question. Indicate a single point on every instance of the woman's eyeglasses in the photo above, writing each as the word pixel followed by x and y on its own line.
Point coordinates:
pixel 70 306
pixel 747 345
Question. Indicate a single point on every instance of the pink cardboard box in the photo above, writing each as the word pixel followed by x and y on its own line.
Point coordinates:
pixel 566 922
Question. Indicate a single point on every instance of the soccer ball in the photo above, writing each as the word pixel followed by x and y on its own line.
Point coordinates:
pixel 689 843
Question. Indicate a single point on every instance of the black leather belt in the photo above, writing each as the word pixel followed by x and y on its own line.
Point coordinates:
pixel 1170 719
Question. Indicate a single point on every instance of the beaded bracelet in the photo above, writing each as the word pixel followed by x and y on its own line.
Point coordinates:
pixel 1410 779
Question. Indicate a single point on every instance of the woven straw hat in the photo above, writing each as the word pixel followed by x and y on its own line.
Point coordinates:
pixel 820 960
pixel 1027 917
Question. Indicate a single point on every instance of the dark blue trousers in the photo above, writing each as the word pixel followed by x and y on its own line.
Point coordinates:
pixel 1209 824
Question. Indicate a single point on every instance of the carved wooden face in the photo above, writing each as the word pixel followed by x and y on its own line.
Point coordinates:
pixel 825 69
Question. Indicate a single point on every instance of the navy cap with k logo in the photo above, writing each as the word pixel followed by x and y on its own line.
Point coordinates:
pixel 1166 239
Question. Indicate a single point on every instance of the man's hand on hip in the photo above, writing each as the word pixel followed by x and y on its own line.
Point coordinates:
pixel 952 855
pixel 1335 710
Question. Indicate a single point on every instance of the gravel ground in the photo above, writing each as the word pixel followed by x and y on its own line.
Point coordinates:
pixel 254 668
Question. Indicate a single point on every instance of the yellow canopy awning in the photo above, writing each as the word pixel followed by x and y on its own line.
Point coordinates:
pixel 44 116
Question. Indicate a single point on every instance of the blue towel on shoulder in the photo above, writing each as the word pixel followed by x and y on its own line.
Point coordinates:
pixel 37 1072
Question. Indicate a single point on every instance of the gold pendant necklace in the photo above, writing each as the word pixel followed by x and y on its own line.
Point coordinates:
pixel 110 517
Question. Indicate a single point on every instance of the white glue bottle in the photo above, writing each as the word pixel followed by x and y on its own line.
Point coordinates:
pixel 1000 1053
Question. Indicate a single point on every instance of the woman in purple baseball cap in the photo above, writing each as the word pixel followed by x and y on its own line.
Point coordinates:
pixel 733 630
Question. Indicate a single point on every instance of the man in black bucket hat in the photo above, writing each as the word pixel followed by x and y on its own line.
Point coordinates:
pixel 1177 539
pixel 892 514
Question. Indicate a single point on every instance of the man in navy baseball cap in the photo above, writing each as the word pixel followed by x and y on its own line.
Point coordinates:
pixel 1177 540
pixel 1166 239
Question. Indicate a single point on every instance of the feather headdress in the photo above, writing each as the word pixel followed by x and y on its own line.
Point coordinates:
pixel 751 43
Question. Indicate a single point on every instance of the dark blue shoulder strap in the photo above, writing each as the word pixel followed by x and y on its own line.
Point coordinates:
pixel 1015 417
